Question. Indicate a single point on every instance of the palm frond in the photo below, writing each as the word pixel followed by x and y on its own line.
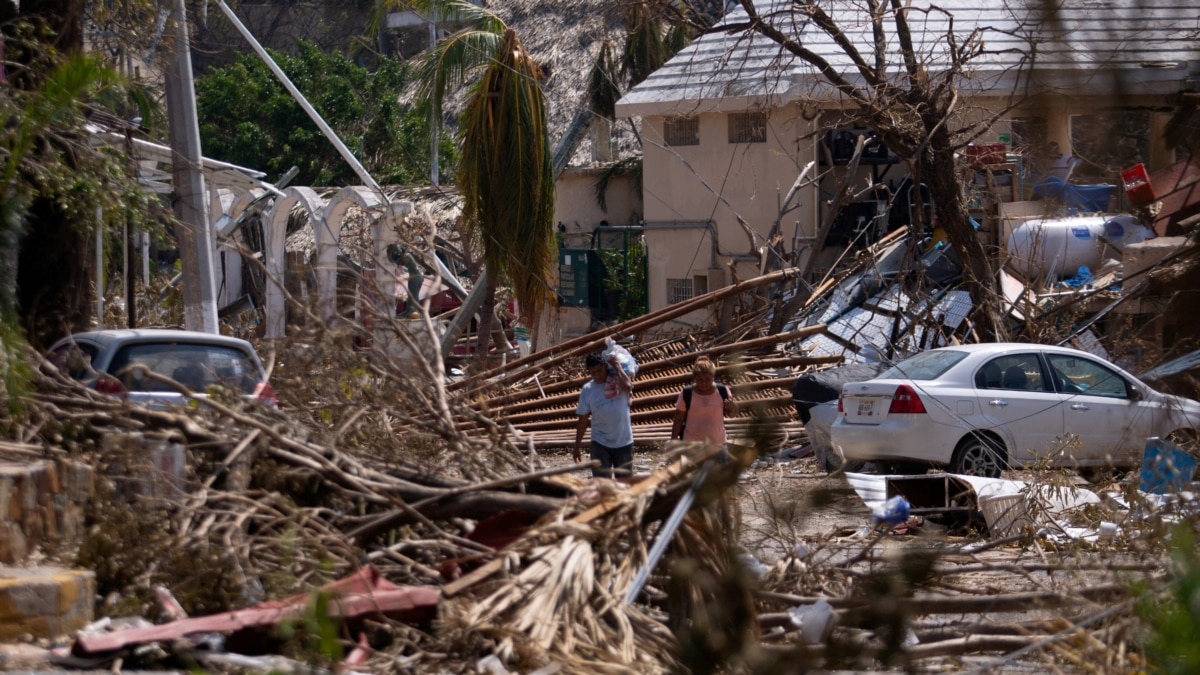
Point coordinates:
pixel 630 166
pixel 644 50
pixel 75 80
pixel 452 63
pixel 678 37
pixel 603 92
pixel 459 12
pixel 506 174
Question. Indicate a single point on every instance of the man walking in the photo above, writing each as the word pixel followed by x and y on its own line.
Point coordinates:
pixel 604 404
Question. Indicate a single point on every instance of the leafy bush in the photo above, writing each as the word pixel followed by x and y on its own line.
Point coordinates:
pixel 248 118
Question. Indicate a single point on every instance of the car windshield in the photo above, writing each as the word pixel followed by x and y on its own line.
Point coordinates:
pixel 924 366
pixel 195 366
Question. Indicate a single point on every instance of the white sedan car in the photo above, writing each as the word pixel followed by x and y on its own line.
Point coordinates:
pixel 978 409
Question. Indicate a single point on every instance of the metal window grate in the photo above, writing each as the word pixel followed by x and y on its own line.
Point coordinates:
pixel 748 127
pixel 682 131
pixel 679 290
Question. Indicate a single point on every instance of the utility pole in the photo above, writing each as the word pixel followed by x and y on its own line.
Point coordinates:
pixel 127 255
pixel 191 203
pixel 433 127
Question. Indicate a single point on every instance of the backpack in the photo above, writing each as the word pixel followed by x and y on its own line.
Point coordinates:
pixel 687 402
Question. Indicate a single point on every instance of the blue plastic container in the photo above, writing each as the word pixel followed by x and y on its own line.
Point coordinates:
pixel 1087 198
pixel 1165 468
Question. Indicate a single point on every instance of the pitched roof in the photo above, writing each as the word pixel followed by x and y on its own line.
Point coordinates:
pixel 1116 45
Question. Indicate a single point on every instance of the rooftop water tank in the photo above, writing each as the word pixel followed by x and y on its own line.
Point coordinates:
pixel 1058 247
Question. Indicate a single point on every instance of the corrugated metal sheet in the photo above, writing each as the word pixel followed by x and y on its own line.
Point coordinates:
pixel 1144 48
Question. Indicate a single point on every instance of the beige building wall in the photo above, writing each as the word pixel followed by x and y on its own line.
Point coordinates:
pixel 577 212
pixel 695 194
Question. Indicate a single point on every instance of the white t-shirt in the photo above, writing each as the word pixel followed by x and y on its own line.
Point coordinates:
pixel 612 425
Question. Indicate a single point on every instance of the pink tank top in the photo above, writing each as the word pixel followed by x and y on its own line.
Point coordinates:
pixel 706 419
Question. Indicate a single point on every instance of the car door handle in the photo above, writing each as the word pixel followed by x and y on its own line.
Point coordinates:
pixel 998 402
pixel 1079 406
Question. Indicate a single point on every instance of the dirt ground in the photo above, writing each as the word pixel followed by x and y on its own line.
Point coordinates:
pixel 790 511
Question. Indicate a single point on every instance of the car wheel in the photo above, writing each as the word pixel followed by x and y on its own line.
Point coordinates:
pixel 905 468
pixel 830 461
pixel 978 455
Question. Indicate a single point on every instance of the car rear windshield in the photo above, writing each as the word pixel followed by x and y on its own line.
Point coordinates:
pixel 924 366
pixel 195 366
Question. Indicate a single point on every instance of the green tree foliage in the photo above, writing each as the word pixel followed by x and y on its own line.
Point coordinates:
pixel 1173 616
pixel 53 182
pixel 248 118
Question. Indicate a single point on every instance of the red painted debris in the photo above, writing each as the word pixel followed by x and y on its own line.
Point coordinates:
pixel 363 594
pixel 496 533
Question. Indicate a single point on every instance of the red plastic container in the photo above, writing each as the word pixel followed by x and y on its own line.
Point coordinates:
pixel 1137 185
pixel 987 153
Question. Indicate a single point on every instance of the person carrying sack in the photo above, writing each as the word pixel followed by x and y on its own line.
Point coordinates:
pixel 701 408
pixel 604 405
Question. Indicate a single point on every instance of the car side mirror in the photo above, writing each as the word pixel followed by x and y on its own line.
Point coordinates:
pixel 1135 394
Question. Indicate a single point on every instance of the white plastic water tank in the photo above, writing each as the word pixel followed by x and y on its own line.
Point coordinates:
pixel 1058 247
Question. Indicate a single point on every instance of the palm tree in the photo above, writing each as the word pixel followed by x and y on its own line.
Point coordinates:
pixel 656 31
pixel 505 173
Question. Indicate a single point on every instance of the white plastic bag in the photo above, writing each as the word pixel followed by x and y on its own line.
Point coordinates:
pixel 628 363
pixel 815 621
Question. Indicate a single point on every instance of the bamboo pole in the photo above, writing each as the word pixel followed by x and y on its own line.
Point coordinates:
pixel 581 345
pixel 523 400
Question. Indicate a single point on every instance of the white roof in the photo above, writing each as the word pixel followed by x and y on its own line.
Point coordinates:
pixel 154 165
pixel 1098 46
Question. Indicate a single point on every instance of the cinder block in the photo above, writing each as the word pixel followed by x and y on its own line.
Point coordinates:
pixel 39 508
pixel 1144 255
pixel 45 602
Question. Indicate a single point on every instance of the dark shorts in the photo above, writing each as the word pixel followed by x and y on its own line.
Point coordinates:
pixel 613 461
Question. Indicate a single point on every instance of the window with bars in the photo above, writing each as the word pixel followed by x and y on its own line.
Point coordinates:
pixel 1029 135
pixel 682 131
pixel 679 290
pixel 748 127
pixel 1109 141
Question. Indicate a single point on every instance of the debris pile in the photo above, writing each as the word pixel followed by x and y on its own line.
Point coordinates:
pixel 421 522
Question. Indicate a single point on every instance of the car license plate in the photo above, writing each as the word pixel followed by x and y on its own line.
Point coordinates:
pixel 866 407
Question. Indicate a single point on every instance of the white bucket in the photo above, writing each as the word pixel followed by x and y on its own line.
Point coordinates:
pixel 1006 515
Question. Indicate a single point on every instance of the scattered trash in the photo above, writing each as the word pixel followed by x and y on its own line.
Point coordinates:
pixel 893 512
pixel 752 565
pixel 1083 277
pixel 1165 468
pixel 364 594
pixel 815 621
pixel 491 665
pixel 1006 515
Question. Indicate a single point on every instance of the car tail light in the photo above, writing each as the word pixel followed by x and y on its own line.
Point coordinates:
pixel 906 402
pixel 109 385
pixel 840 408
pixel 265 393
